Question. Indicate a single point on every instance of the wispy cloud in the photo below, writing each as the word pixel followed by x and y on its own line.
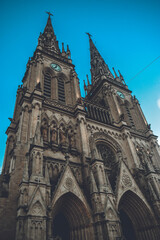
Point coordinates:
pixel 158 103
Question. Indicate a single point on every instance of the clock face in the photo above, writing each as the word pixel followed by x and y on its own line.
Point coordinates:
pixel 121 95
pixel 56 67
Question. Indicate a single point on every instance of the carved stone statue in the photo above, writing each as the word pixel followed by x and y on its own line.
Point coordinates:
pixel 45 134
pixel 71 137
pixel 54 136
pixel 62 135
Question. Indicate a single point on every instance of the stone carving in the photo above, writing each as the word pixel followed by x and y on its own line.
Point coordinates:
pixel 110 213
pixel 54 133
pixel 62 135
pixel 37 209
pixel 69 183
pixel 44 134
pixel 71 138
pixel 25 197
pixel 107 155
pixel 113 227
pixel 44 130
pixel 126 180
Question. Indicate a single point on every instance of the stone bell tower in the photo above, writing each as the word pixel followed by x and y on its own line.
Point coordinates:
pixel 78 168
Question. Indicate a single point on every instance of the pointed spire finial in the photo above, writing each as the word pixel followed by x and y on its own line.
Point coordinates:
pixel 47 40
pixel 121 77
pixel 85 87
pixel 98 66
pixel 87 80
pixel 63 47
pixel 89 35
pixel 115 73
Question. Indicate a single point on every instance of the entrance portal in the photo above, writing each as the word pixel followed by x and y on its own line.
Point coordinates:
pixel 71 219
pixel 136 218
pixel 127 226
pixel 61 228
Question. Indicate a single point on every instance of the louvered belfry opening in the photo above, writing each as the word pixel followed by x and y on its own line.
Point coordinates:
pixel 47 85
pixel 61 90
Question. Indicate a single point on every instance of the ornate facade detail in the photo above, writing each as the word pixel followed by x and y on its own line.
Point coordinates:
pixel 126 180
pixel 78 168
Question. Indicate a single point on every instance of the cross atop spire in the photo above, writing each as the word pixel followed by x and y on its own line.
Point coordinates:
pixel 50 14
pixel 89 35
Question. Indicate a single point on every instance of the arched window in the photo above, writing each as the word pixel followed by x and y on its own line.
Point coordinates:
pixel 107 155
pixel 47 84
pixel 110 163
pixel 61 90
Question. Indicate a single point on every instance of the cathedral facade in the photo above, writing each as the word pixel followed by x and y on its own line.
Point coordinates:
pixel 78 168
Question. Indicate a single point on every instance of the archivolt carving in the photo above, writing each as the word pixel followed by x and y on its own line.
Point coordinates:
pixel 47 69
pixel 62 75
pixel 105 138
pixel 93 128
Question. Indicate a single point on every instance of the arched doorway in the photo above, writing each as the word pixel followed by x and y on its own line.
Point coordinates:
pixel 137 220
pixel 71 219
pixel 127 226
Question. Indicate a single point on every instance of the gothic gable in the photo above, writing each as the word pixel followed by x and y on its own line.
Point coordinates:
pixel 36 204
pixel 126 182
pixel 66 184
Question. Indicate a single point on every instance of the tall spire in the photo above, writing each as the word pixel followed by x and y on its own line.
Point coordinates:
pixel 47 40
pixel 98 66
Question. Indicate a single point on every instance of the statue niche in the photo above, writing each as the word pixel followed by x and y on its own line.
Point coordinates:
pixel 71 137
pixel 54 133
pixel 44 130
pixel 62 135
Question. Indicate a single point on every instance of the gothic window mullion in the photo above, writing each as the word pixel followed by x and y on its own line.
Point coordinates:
pixel 61 90
pixel 47 85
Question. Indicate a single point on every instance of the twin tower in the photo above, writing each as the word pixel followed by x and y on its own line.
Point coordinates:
pixel 78 168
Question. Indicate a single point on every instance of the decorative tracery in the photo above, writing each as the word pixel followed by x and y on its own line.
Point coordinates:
pixel 110 163
pixel 107 155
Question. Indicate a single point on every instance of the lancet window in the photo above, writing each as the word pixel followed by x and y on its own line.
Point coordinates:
pixel 61 90
pixel 110 163
pixel 47 84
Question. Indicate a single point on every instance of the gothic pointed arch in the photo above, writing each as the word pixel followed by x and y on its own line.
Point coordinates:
pixel 109 140
pixel 69 206
pixel 136 218
pixel 53 119
pixel 44 116
pixel 70 211
pixel 48 70
pixel 109 151
pixel 36 203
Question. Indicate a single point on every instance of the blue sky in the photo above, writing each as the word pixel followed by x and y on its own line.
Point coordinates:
pixel 126 33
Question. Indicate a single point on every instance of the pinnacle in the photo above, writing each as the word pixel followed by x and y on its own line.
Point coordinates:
pixel 47 40
pixel 98 66
pixel 49 27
